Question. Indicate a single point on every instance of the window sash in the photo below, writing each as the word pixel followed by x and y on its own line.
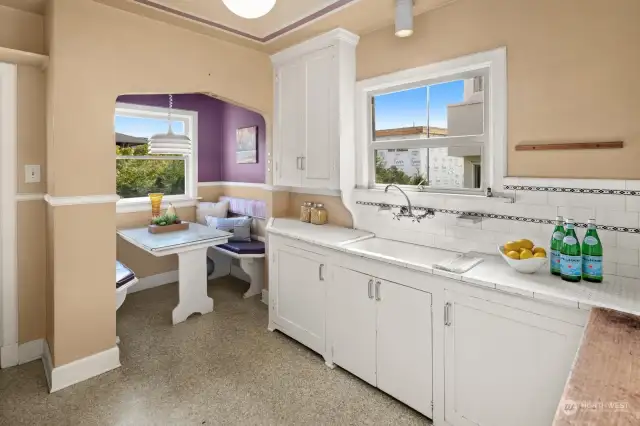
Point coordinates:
pixel 190 120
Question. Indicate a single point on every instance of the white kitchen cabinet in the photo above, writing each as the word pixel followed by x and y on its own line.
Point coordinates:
pixel 404 345
pixel 351 322
pixel 297 294
pixel 503 366
pixel 311 80
pixel 382 332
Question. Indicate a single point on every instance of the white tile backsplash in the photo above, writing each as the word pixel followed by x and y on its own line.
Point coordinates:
pixel 621 249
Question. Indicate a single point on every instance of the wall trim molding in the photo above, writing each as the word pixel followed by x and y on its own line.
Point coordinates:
pixel 79 370
pixel 264 186
pixel 8 214
pixel 81 199
pixel 30 197
pixel 153 281
pixel 267 187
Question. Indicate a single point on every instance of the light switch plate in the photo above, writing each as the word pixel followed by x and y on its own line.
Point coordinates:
pixel 32 173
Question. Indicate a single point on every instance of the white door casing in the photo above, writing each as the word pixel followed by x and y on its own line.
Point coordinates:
pixel 8 237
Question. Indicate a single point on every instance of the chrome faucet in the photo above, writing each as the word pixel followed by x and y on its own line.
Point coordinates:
pixel 407 211
pixel 404 211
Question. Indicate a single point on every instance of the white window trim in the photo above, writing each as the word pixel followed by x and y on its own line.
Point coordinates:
pixel 494 62
pixel 190 118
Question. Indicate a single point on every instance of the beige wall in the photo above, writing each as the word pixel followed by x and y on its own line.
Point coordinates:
pixel 337 212
pixel 573 69
pixel 21 30
pixel 24 31
pixel 31 251
pixel 117 53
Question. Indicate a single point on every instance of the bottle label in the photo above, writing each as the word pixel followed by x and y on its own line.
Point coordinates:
pixel 592 266
pixel 558 235
pixel 570 266
pixel 569 240
pixel 554 258
pixel 590 241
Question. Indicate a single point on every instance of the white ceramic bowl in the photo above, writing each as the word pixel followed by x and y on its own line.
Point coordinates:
pixel 524 266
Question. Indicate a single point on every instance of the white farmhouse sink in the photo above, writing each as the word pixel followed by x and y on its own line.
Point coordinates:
pixel 399 252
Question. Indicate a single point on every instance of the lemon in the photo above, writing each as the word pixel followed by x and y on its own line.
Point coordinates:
pixel 511 246
pixel 514 255
pixel 540 254
pixel 526 254
pixel 528 244
pixel 540 250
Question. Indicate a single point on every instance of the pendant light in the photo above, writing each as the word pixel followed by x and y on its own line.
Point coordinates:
pixel 404 18
pixel 250 9
pixel 169 143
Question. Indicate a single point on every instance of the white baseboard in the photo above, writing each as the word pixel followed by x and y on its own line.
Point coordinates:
pixel 30 351
pixel 265 297
pixel 9 356
pixel 80 370
pixel 21 354
pixel 154 281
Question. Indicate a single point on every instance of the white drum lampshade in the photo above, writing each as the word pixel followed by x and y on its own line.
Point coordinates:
pixel 404 18
pixel 250 9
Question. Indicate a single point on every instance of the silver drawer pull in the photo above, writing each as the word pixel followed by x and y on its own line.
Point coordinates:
pixel 321 272
pixel 378 298
pixel 370 289
pixel 447 319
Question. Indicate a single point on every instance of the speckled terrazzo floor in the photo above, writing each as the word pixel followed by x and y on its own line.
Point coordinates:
pixel 224 368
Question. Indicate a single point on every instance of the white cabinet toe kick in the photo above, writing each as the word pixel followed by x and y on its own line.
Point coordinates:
pixel 459 354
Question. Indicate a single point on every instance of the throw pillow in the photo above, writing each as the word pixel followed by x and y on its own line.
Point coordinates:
pixel 211 209
pixel 240 227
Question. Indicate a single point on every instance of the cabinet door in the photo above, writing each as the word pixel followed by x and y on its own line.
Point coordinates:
pixel 300 296
pixel 404 345
pixel 321 150
pixel 351 323
pixel 504 366
pixel 289 138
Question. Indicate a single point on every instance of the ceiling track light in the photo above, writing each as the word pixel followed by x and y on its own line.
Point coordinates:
pixel 404 18
pixel 250 9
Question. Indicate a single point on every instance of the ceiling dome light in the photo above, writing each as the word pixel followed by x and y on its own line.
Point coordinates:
pixel 250 9
pixel 404 18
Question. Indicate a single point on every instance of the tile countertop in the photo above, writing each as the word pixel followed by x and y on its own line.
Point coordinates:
pixel 621 294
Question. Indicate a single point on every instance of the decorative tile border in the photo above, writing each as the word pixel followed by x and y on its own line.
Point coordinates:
pixel 571 190
pixel 500 216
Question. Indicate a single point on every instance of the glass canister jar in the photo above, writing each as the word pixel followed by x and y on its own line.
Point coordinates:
pixel 319 215
pixel 305 212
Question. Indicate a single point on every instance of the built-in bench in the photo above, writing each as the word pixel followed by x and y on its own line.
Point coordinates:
pixel 243 259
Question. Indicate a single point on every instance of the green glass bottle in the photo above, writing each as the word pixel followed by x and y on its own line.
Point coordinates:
pixel 556 246
pixel 592 254
pixel 570 258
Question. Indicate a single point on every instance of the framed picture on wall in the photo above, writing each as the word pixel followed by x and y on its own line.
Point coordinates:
pixel 247 145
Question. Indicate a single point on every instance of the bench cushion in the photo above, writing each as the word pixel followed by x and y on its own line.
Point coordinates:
pixel 244 247
pixel 123 275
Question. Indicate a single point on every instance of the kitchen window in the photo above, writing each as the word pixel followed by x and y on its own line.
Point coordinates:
pixel 137 171
pixel 438 128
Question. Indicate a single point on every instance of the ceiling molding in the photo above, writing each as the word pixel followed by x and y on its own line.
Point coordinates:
pixel 333 7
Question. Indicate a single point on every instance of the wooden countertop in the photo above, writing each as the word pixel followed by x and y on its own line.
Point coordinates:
pixel 603 388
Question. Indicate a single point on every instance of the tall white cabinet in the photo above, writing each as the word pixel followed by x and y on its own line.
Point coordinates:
pixel 314 87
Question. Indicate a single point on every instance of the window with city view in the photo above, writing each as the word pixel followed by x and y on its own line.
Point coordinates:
pixel 138 172
pixel 431 135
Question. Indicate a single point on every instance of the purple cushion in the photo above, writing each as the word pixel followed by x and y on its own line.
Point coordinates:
pixel 242 247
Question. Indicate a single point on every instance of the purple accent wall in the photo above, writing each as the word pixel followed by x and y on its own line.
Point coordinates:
pixel 235 117
pixel 217 124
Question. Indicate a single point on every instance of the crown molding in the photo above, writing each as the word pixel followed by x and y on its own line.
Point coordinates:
pixel 339 35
